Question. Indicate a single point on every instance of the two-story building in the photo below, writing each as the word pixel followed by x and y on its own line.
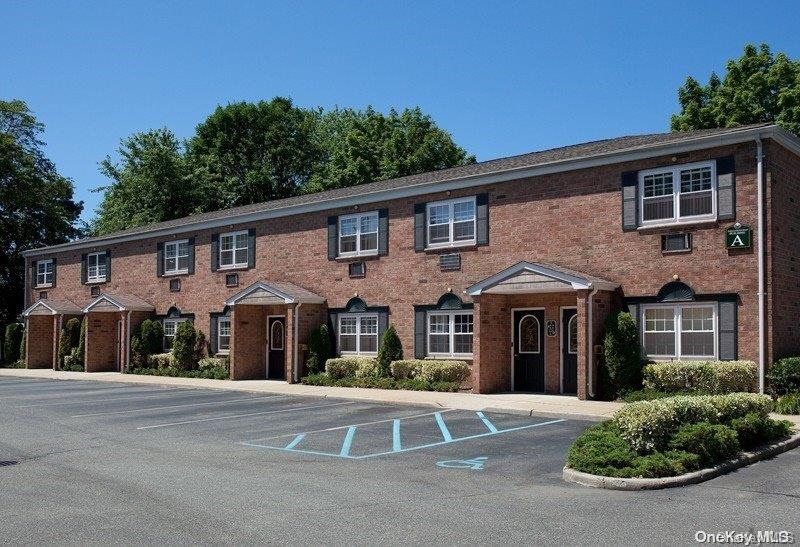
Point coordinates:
pixel 510 264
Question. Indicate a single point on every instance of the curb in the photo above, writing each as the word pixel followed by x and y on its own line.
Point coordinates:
pixel 633 484
pixel 548 414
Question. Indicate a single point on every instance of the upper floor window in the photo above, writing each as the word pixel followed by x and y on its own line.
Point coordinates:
pixel 358 234
pixel 450 333
pixel 176 257
pixel 358 334
pixel 451 222
pixel 680 331
pixel 233 250
pixel 44 273
pixel 96 267
pixel 682 193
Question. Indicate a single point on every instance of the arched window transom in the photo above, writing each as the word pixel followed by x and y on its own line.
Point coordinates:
pixel 529 335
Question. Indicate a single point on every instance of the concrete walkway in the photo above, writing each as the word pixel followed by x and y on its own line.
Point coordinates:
pixel 514 403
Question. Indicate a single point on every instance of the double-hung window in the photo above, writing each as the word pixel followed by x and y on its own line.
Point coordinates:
pixel 451 223
pixel 170 328
pixel 450 334
pixel 233 250
pixel 358 234
pixel 684 193
pixel 44 273
pixel 176 257
pixel 223 334
pixel 96 267
pixel 680 331
pixel 358 334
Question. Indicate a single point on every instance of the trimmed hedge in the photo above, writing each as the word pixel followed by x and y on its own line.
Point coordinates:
pixel 702 376
pixel 346 367
pixel 648 425
pixel 412 384
pixel 784 376
pixel 160 360
pixel 430 371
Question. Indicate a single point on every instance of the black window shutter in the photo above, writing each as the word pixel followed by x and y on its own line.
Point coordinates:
pixel 482 219
pixel 83 268
pixel 214 252
pixel 212 334
pixel 108 266
pixel 383 324
pixel 191 255
pixel 160 259
pixel 33 274
pixel 383 231
pixel 630 200
pixel 727 331
pixel 419 334
pixel 332 327
pixel 54 271
pixel 633 309
pixel 251 248
pixel 333 236
pixel 726 188
pixel 419 226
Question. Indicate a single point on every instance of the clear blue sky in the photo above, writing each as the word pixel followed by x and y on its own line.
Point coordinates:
pixel 502 77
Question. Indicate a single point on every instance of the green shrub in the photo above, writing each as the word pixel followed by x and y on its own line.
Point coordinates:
pixel 711 442
pixel 648 394
pixel 200 347
pixel 184 347
pixel 754 430
pixel 151 333
pixel 64 348
pixel 160 360
pixel 702 376
pixel 367 368
pixel 401 370
pixel 72 364
pixel 788 404
pixel 444 371
pixel 622 353
pixel 12 349
pixel 68 341
pixel 414 384
pixel 648 425
pixel 344 367
pixel 80 352
pixel 391 350
pixel 784 376
pixel 23 346
pixel 320 349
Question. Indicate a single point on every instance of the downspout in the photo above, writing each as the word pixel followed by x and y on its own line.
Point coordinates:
pixel 762 340
pixel 590 339
pixel 127 343
pixel 296 371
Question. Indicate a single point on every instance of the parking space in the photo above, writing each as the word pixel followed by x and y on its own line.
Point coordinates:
pixel 91 462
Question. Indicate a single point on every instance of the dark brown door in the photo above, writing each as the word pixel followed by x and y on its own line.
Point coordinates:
pixel 276 342
pixel 528 350
pixel 569 350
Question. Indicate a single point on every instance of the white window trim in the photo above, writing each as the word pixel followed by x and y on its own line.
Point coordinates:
pixel 97 278
pixel 358 251
pixel 675 170
pixel 358 317
pixel 177 321
pixel 219 334
pixel 235 265
pixel 450 242
pixel 677 311
pixel 538 337
pixel 451 315
pixel 45 284
pixel 176 244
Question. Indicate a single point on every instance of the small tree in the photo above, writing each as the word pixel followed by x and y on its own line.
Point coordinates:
pixel 183 349
pixel 13 343
pixel 622 352
pixel 22 347
pixel 320 349
pixel 200 349
pixel 151 334
pixel 80 353
pixel 391 350
pixel 70 336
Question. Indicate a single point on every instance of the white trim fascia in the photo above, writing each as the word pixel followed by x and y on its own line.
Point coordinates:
pixel 785 138
pixel 28 311
pixel 575 282
pixel 107 298
pixel 287 298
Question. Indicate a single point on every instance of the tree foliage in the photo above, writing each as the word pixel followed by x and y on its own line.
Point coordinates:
pixel 183 349
pixel 757 87
pixel 69 338
pixel 622 354
pixel 36 203
pixel 81 349
pixel 320 349
pixel 391 350
pixel 13 343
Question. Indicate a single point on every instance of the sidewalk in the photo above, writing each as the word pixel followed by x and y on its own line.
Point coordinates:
pixel 512 403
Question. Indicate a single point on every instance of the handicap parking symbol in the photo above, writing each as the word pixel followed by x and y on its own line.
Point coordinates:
pixel 476 464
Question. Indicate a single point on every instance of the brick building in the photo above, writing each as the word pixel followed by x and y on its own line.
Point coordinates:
pixel 510 264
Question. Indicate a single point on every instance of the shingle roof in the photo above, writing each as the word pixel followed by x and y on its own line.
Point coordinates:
pixel 533 159
pixel 57 306
pixel 127 302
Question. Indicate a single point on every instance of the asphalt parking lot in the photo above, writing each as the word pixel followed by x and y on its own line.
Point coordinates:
pixel 88 462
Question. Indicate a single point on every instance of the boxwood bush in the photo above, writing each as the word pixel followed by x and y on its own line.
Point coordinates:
pixel 784 376
pixel 347 367
pixel 430 370
pixel 701 376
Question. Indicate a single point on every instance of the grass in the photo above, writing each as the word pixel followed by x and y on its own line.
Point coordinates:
pixel 412 384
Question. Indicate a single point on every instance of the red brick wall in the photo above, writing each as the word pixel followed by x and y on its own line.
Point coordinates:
pixel 101 341
pixel 569 219
pixel 40 341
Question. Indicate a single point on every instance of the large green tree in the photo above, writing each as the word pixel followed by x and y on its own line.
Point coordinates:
pixel 37 205
pixel 150 183
pixel 757 87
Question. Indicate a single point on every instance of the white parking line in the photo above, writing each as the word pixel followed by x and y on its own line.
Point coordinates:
pixel 133 397
pixel 244 415
pixel 150 409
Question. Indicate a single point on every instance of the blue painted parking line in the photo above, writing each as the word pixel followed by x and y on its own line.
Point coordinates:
pixel 397 447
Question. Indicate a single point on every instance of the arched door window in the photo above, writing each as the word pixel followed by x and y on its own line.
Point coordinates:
pixel 276 336
pixel 529 330
pixel 572 332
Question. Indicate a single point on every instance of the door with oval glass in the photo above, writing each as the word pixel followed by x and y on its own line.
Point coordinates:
pixel 569 350
pixel 528 341
pixel 276 351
